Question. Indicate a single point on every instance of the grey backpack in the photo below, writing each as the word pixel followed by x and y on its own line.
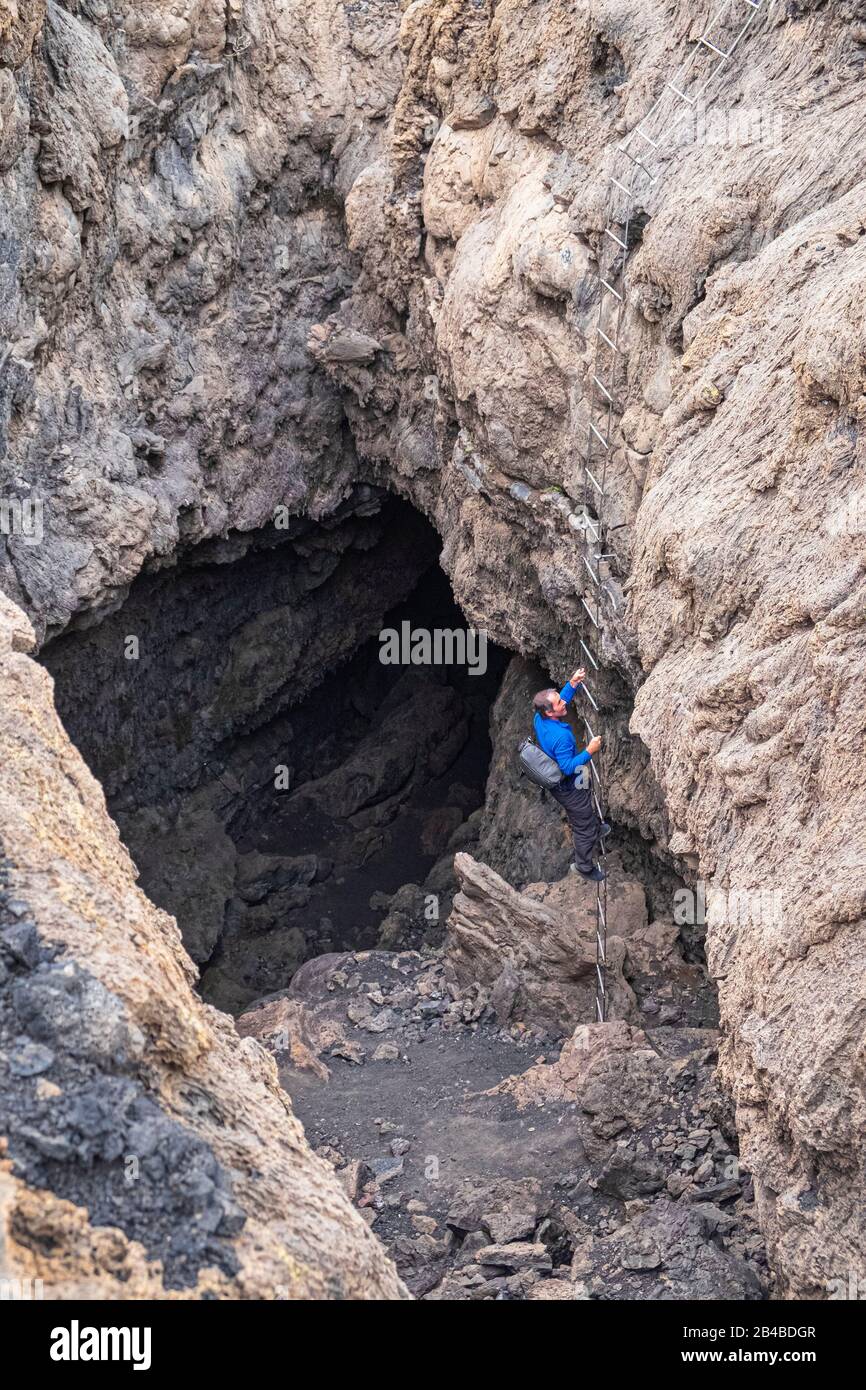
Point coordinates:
pixel 538 767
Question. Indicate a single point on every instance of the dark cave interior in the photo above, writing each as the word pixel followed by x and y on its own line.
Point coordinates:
pixel 275 781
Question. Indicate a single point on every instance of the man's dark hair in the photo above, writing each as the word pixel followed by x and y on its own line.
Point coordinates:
pixel 542 703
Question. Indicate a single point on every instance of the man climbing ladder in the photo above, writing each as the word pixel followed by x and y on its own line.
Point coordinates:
pixel 633 178
pixel 573 793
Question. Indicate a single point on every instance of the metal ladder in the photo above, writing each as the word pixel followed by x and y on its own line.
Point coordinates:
pixel 634 170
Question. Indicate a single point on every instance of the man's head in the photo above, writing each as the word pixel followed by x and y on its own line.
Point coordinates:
pixel 548 704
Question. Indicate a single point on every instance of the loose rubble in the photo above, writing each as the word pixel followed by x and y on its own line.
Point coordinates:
pixel 502 1160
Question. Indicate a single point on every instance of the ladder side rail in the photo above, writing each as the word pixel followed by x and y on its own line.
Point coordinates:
pixel 603 382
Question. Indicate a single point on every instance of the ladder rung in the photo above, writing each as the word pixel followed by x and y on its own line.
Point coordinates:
pixel 618 239
pixel 588 693
pixel 709 44
pixel 597 805
pixel 599 436
pixel 589 611
pixel 621 186
pixel 690 101
pixel 611 344
pixel 588 653
pixel 595 773
pixel 600 910
pixel 594 480
pixel 643 135
pixel 599 945
pixel 610 289
pixel 601 386
pixel 588 727
pixel 639 162
pixel 596 579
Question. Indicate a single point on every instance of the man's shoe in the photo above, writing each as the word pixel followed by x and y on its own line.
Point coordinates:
pixel 597 875
pixel 604 829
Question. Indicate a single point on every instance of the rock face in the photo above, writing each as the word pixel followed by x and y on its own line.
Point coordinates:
pixel 173 230
pixel 735 487
pixel 256 253
pixel 147 1151
pixel 537 962
pixel 535 950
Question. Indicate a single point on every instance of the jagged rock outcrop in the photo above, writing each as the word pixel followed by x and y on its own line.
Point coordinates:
pixel 535 950
pixel 538 959
pixel 754 616
pixel 147 1151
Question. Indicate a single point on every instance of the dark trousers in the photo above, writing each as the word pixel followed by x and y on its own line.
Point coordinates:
pixel 576 801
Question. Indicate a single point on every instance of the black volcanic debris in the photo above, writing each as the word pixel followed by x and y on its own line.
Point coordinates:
pixel 79 1120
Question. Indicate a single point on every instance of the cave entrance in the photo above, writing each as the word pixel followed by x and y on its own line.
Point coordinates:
pixel 291 728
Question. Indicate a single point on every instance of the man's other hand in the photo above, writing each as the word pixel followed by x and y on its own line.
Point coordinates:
pixel 594 744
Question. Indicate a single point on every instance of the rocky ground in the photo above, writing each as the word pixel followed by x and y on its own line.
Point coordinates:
pixel 498 1150
pixel 497 1160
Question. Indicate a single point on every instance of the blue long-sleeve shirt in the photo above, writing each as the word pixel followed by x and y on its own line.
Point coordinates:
pixel 557 740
